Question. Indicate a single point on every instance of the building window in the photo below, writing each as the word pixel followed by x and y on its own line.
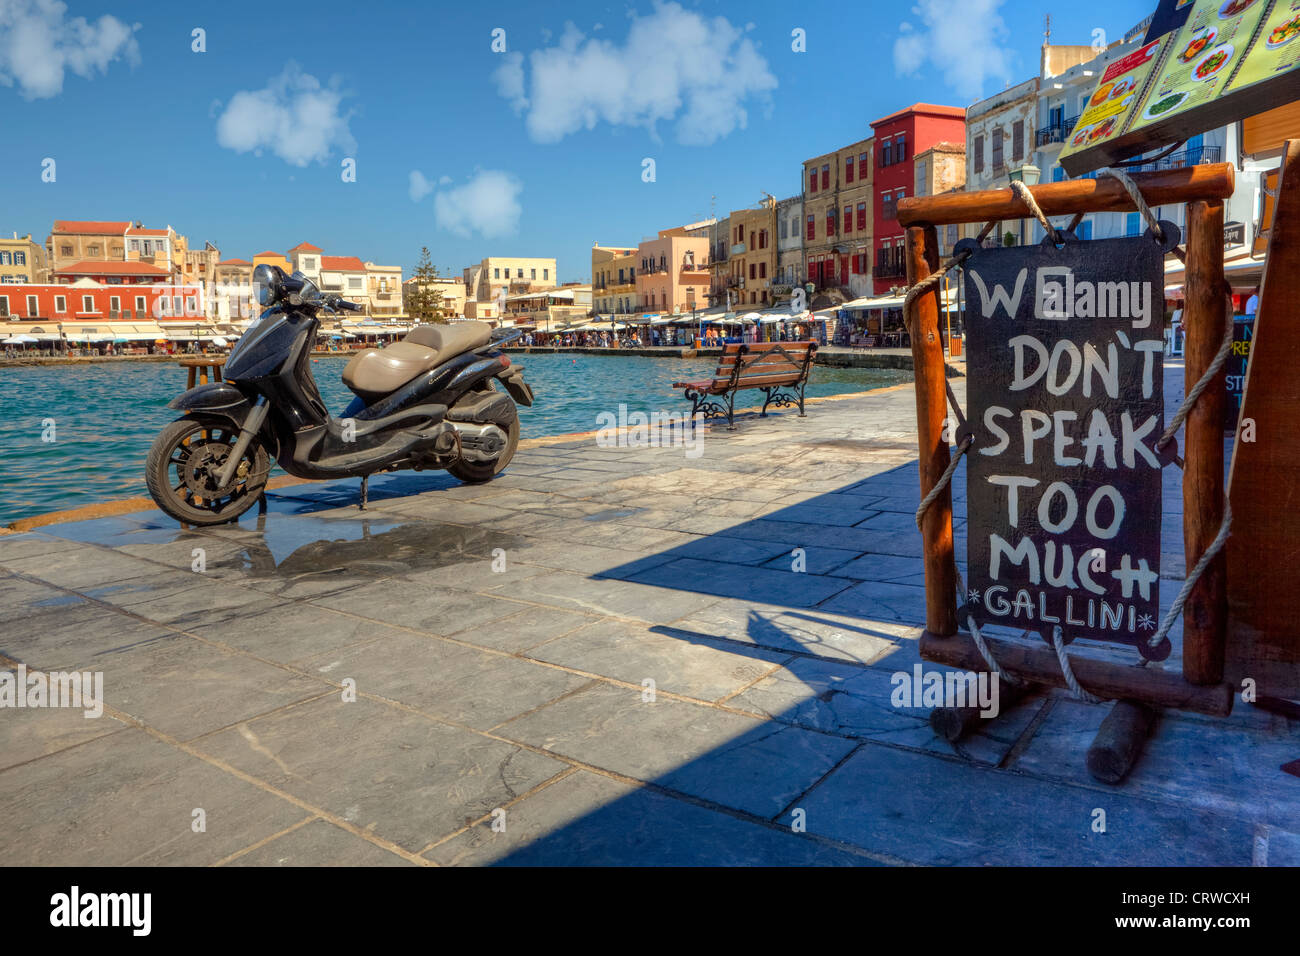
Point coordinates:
pixel 783 229
pixel 87 303
pixel 65 250
pixel 812 227
pixel 5 259
pixel 830 222
pixel 887 153
pixel 887 206
pixel 139 304
pixel 94 250
pixel 4 306
pixel 900 148
pixel 762 270
pixel 862 217
pixel 826 176
pixel 862 166
pixel 812 180
pixel 997 150
pixel 32 307
pixel 519 273
pixel 1018 141
pixel 1133 224
pixel 114 306
pixel 532 273
pixel 496 273
pixel 60 304
pixel 848 169
pixel 848 218
pixel 20 258
pixel 546 273
pixel 977 149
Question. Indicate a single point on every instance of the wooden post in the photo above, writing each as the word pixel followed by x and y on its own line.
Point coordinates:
pixel 930 373
pixel 953 723
pixel 1119 740
pixel 1206 610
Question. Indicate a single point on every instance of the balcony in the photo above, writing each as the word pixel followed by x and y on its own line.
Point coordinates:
pixel 691 266
pixel 890 264
pixel 1056 132
pixel 1188 157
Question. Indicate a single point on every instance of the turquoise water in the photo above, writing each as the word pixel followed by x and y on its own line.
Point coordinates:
pixel 105 416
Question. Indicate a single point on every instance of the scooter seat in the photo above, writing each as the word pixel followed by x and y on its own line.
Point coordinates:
pixel 450 339
pixel 374 373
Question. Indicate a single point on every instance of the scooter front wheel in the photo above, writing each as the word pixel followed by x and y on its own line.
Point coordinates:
pixel 183 467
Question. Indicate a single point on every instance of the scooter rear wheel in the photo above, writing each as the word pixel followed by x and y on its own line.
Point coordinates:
pixel 477 472
pixel 181 472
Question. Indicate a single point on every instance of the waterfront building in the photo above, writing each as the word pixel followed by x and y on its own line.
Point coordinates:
pixel 789 247
pixel 899 137
pixel 940 169
pixel 232 291
pixel 57 304
pixel 271 258
pixel 751 260
pixel 549 309
pixel 672 274
pixel 74 241
pixel 514 274
pixel 613 279
pixel 838 218
pixel 161 248
pixel 111 273
pixel 1000 138
pixel 200 266
pixel 383 289
pixel 452 289
pixel 22 259
pixel 719 254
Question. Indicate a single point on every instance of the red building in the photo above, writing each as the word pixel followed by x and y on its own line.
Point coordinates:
pixel 112 273
pixel 104 303
pixel 899 137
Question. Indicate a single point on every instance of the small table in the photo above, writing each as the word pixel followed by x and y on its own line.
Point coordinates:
pixel 198 366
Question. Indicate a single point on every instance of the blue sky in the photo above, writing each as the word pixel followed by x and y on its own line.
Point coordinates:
pixel 537 151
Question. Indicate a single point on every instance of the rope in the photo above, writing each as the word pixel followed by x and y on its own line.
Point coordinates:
pixel 1139 200
pixel 1216 366
pixel 1027 197
pixel 1075 687
pixel 942 483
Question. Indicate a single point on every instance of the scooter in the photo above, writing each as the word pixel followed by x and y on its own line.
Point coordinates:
pixel 427 401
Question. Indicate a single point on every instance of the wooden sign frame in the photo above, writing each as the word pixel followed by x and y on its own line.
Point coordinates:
pixel 1203 188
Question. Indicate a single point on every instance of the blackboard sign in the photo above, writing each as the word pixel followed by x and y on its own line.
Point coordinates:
pixel 1066 403
pixel 1243 335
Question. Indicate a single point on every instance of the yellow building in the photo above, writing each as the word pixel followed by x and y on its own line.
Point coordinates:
pixel 383 289
pixel 453 295
pixel 22 260
pixel 482 281
pixel 839 217
pixel 751 260
pixel 613 279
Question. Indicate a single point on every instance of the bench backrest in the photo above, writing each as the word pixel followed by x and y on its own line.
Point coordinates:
pixel 754 364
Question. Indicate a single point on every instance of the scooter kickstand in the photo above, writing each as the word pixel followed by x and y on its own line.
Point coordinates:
pixel 365 492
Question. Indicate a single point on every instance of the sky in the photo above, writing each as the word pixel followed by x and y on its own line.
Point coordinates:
pixel 511 129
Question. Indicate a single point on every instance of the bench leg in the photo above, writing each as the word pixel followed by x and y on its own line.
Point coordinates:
pixel 767 400
pixel 801 388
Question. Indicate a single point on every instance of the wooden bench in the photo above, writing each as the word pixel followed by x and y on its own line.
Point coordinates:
pixel 778 369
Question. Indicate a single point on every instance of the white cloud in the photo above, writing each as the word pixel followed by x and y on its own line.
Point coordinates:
pixel 37 46
pixel 488 205
pixel 966 48
pixel 675 65
pixel 294 117
pixel 420 186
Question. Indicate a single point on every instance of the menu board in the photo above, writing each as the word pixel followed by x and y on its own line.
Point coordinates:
pixel 1228 60
pixel 1112 104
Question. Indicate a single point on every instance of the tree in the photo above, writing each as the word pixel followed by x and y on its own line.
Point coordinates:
pixel 424 298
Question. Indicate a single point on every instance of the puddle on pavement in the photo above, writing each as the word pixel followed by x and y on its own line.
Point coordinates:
pixel 283 546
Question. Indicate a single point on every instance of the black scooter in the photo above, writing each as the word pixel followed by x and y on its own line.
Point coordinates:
pixel 427 401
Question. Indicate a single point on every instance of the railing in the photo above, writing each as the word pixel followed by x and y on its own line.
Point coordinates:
pixel 890 265
pixel 1056 132
pixel 1188 157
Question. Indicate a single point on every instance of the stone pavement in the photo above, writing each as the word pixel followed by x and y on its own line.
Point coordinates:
pixel 646 682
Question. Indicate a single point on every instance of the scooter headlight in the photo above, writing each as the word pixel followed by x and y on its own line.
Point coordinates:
pixel 266 284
